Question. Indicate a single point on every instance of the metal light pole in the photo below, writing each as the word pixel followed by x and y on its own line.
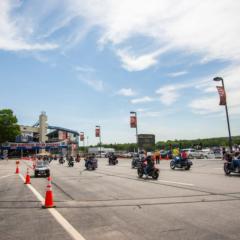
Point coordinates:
pixel 219 79
pixel 135 125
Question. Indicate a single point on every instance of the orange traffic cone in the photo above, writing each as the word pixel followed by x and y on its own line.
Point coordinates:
pixel 17 169
pixel 27 181
pixel 49 196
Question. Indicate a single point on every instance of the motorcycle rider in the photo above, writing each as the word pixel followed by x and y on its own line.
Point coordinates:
pixel 149 164
pixel 184 156
pixel 112 158
pixel 236 160
pixel 78 158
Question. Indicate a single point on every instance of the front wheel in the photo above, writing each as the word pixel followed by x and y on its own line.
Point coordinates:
pixel 172 165
pixel 140 172
pixel 187 167
pixel 226 169
pixel 155 175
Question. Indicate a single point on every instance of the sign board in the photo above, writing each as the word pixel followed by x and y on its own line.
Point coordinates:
pixel 146 141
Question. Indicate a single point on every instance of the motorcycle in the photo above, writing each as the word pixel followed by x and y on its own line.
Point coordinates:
pixel 153 172
pixel 112 160
pixel 91 163
pixel 78 159
pixel 231 167
pixel 61 160
pixel 70 163
pixel 177 162
pixel 136 161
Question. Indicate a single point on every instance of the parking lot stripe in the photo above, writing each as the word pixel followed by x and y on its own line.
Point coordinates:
pixel 7 176
pixel 60 219
pixel 180 183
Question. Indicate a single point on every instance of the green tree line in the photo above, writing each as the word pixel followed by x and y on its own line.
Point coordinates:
pixel 197 143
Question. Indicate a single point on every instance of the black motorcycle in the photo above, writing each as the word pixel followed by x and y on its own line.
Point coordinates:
pixel 136 161
pixel 70 163
pixel 61 160
pixel 91 163
pixel 177 162
pixel 231 167
pixel 152 172
pixel 112 160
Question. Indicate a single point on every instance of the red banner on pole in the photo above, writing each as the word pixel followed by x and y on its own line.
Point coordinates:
pixel 97 132
pixel 222 95
pixel 81 136
pixel 133 121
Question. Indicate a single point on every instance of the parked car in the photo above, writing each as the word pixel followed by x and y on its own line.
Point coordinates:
pixel 193 153
pixel 218 154
pixel 1 156
pixel 208 153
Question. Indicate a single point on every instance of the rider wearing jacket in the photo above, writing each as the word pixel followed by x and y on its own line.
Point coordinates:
pixel 149 165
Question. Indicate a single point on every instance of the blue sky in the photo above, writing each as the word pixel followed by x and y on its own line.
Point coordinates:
pixel 91 62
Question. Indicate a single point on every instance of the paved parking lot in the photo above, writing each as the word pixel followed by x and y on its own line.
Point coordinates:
pixel 113 203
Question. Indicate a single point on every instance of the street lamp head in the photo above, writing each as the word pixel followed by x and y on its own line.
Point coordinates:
pixel 217 79
pixel 132 112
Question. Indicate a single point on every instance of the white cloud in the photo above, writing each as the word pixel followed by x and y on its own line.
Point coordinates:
pixel 142 110
pixel 84 69
pixel 189 26
pixel 139 63
pixel 127 92
pixel 145 99
pixel 169 94
pixel 95 84
pixel 209 28
pixel 206 105
pixel 12 36
pixel 177 74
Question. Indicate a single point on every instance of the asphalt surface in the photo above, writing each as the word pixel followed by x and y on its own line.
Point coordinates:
pixel 113 203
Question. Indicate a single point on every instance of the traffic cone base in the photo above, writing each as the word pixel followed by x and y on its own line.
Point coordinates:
pixel 49 196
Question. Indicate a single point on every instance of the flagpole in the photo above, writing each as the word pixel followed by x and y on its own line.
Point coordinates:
pixel 226 109
pixel 228 123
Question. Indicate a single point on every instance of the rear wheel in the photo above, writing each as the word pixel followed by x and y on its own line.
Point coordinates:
pixel 172 165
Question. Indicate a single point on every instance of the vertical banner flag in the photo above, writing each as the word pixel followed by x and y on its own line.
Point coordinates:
pixel 133 121
pixel 222 95
pixel 97 132
pixel 81 136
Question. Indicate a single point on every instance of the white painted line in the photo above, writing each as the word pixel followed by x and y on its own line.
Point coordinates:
pixel 36 193
pixel 7 176
pixel 66 225
pixel 60 219
pixel 180 183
